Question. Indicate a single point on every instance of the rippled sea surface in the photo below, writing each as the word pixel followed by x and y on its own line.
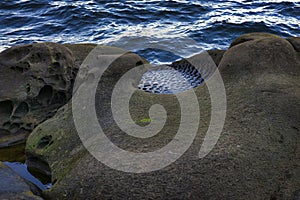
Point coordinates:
pixel 135 24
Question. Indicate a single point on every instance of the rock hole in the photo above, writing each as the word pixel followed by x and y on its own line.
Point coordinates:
pixel 28 126
pixel 28 88
pixel 32 56
pixel 17 69
pixel 60 97
pixel 56 66
pixel 41 79
pixel 39 55
pixel 22 67
pixel 45 141
pixel 54 181
pixel 273 197
pixel 4 132
pixel 281 139
pixel 21 110
pixel 139 63
pixel 68 70
pixel 45 94
pixel 57 56
pixel 51 70
pixel 6 125
pixel 14 127
pixel 62 84
pixel 39 168
pixel 6 108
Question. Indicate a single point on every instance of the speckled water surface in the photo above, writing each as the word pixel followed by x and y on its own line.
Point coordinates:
pixel 171 79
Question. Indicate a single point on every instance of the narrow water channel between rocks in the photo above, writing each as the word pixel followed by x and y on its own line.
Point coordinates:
pixel 21 169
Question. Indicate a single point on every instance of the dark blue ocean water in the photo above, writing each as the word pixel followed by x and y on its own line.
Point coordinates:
pixel 212 24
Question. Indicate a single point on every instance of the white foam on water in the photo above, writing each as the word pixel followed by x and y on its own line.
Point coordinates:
pixel 2 48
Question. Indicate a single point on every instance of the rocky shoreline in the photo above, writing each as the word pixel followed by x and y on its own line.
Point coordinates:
pixel 256 157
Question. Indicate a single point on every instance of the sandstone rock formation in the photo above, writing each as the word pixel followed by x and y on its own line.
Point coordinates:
pixel 35 80
pixel 295 42
pixel 251 36
pixel 256 157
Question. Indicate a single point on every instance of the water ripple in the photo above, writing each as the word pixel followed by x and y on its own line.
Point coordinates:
pixel 213 24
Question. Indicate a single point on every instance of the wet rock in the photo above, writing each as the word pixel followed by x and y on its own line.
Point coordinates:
pixel 35 80
pixel 256 157
pixel 216 55
pixel 251 36
pixel 268 55
pixel 295 41
pixel 36 161
pixel 80 52
pixel 14 153
pixel 15 187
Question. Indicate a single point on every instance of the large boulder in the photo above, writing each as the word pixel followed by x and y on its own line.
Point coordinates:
pixel 251 36
pixel 295 41
pixel 256 157
pixel 35 80
pixel 80 52
pixel 266 113
pixel 216 55
pixel 15 187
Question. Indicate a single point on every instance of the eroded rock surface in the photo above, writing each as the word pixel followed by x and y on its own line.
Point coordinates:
pixel 35 80
pixel 256 157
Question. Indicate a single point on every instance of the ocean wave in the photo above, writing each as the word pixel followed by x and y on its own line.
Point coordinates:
pixel 213 24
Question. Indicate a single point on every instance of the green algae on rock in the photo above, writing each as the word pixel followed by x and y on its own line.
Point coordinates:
pixel 35 80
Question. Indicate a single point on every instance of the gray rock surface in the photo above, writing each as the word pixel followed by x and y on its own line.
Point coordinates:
pixel 295 42
pixel 256 157
pixel 251 36
pixel 35 80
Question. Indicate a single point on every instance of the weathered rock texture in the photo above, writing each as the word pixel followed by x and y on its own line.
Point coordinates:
pixel 265 115
pixel 256 157
pixel 35 80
